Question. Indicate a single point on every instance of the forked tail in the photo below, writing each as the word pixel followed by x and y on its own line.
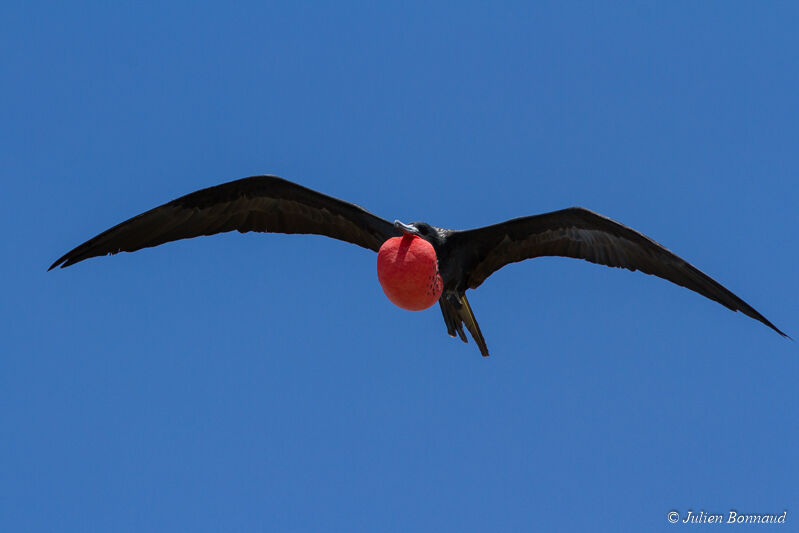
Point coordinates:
pixel 457 312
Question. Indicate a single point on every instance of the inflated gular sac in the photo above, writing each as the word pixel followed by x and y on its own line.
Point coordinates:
pixel 407 269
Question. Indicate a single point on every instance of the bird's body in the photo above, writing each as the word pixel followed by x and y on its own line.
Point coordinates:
pixel 465 258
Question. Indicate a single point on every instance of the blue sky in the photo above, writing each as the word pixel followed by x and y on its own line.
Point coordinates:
pixel 264 383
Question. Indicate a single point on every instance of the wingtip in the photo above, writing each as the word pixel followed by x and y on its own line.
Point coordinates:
pixel 61 261
pixel 66 260
pixel 778 330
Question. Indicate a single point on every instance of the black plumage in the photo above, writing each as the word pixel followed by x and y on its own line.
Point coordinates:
pixel 466 258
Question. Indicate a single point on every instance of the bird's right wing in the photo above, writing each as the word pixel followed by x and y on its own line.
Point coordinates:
pixel 583 234
pixel 258 203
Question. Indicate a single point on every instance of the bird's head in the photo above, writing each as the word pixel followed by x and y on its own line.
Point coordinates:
pixel 420 229
pixel 406 229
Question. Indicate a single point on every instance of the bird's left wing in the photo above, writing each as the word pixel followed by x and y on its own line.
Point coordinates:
pixel 258 203
pixel 583 234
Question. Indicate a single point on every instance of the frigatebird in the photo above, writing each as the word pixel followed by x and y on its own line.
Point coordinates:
pixel 465 259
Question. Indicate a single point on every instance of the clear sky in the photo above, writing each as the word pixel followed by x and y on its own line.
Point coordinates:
pixel 264 383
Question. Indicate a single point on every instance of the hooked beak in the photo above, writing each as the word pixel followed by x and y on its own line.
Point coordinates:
pixel 405 228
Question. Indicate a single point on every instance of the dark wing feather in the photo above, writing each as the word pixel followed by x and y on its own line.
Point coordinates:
pixel 259 203
pixel 583 234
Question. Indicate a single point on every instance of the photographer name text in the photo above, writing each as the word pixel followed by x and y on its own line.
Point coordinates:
pixel 731 517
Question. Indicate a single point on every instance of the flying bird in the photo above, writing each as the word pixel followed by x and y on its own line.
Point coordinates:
pixel 418 264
